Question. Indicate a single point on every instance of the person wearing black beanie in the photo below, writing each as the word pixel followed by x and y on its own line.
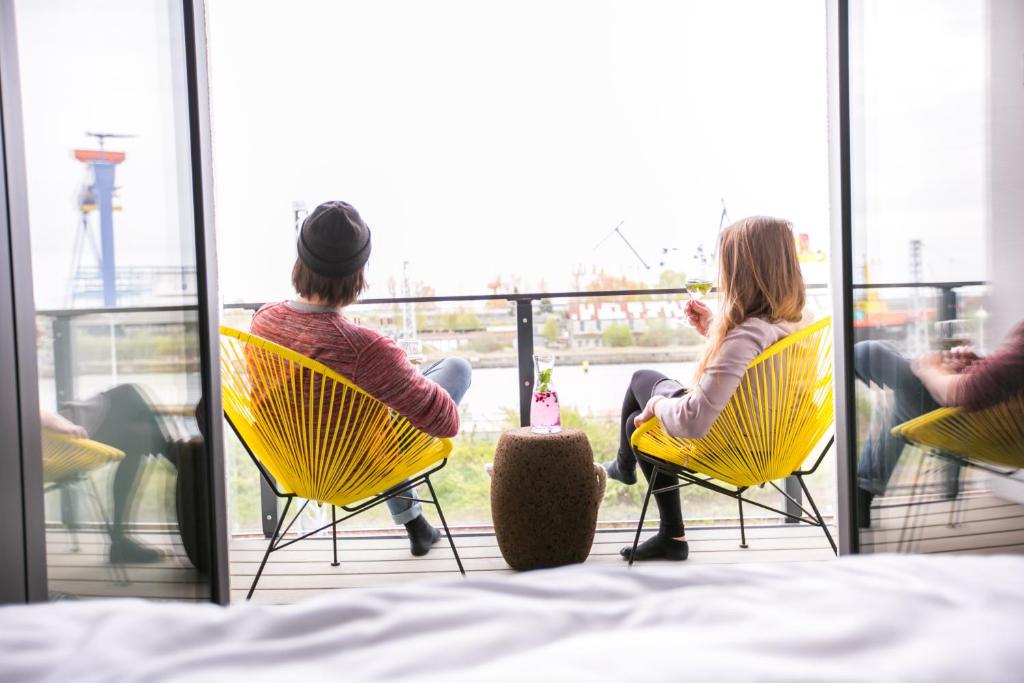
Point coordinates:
pixel 333 247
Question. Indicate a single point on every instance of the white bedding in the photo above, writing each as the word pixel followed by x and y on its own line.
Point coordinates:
pixel 870 618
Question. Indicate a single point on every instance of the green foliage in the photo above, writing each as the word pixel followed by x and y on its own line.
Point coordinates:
pixel 463 322
pixel 658 333
pixel 464 487
pixel 550 329
pixel 545 380
pixel 486 343
pixel 157 344
pixel 671 279
pixel 617 335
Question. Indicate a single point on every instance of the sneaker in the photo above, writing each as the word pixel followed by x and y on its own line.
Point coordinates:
pixel 127 551
pixel 627 477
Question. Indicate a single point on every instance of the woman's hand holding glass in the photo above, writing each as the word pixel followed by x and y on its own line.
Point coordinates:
pixel 699 316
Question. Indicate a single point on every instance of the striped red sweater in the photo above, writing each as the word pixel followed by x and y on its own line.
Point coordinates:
pixel 365 357
pixel 994 378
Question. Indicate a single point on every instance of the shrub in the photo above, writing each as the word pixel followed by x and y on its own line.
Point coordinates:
pixel 617 335
pixel 658 333
pixel 550 331
pixel 485 343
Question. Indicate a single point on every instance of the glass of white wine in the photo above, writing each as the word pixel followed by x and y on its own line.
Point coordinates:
pixel 698 288
pixel 949 334
pixel 699 283
pixel 413 350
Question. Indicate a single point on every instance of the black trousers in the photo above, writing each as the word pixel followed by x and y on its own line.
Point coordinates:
pixel 122 417
pixel 640 390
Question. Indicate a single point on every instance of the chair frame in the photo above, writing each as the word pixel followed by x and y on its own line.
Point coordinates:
pixel 691 478
pixel 275 543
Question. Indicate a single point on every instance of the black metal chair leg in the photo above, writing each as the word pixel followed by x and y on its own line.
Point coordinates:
pixel 270 548
pixel 334 535
pixel 907 532
pixel 817 515
pixel 643 514
pixel 955 506
pixel 743 529
pixel 67 513
pixel 447 531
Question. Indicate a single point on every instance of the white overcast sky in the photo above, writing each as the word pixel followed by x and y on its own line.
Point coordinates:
pixel 486 138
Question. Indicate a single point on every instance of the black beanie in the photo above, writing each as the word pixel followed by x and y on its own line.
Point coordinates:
pixel 333 240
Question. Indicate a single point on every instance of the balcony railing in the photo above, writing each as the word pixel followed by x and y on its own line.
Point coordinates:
pixel 66 371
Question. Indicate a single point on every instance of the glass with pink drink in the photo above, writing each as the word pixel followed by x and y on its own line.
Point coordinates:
pixel 545 416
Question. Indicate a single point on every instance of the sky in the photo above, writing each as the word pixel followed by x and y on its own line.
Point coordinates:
pixel 505 138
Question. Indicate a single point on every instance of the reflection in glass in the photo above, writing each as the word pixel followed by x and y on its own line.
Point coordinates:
pixel 110 212
pixel 939 359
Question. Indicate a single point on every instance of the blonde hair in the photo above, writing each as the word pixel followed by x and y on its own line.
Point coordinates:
pixel 758 277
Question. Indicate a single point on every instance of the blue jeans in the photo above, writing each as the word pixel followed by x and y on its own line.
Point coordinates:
pixel 454 376
pixel 877 362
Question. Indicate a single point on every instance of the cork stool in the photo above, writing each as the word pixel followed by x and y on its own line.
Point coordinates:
pixel 545 493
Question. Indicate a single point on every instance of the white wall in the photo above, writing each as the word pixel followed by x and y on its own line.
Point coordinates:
pixel 1006 166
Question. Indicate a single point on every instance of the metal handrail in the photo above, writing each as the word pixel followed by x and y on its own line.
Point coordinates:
pixel 507 296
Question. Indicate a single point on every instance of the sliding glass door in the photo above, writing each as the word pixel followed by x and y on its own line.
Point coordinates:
pixel 123 305
pixel 936 150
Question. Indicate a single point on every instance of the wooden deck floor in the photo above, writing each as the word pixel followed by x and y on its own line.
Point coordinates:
pixel 986 525
pixel 304 569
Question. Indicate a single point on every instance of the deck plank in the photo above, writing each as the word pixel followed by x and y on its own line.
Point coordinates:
pixel 987 526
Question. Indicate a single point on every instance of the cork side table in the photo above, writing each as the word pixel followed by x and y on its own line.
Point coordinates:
pixel 545 493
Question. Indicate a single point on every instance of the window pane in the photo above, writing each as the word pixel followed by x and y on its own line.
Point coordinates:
pixel 936 148
pixel 503 157
pixel 513 148
pixel 110 210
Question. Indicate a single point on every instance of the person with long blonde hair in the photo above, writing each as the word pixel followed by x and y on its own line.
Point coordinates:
pixel 762 301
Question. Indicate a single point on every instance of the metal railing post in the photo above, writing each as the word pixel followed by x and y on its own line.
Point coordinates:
pixel 63 362
pixel 524 328
pixel 64 383
pixel 268 508
pixel 948 304
pixel 793 490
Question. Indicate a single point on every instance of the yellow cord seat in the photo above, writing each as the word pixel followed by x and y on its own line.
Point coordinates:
pixel 782 409
pixel 317 434
pixel 994 436
pixel 779 413
pixel 65 457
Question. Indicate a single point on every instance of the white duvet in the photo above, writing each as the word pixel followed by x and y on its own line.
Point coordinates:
pixel 871 618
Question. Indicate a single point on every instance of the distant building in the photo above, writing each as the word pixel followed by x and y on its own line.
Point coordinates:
pixel 589 320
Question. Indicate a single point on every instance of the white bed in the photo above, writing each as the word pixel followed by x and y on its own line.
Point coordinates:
pixel 870 618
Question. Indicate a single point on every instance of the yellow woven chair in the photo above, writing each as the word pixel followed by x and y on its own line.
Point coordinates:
pixel 989 439
pixel 315 435
pixel 67 460
pixel 993 437
pixel 781 410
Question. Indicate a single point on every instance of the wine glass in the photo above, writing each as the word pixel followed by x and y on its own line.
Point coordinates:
pixel 950 334
pixel 413 350
pixel 699 281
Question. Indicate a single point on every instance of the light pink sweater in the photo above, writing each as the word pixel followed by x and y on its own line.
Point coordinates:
pixel 690 416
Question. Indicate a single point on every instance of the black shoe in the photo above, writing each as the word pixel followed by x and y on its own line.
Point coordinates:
pixel 421 536
pixel 658 547
pixel 627 477
pixel 127 551
pixel 863 505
